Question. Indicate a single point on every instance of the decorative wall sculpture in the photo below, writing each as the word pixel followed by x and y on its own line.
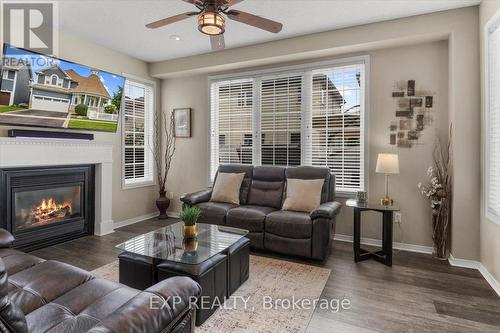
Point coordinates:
pixel 413 114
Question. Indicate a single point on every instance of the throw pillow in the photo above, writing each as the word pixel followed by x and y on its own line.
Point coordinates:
pixel 303 195
pixel 227 188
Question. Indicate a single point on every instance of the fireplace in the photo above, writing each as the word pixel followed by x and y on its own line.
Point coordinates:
pixel 45 206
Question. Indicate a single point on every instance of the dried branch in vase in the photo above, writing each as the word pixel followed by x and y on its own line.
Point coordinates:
pixel 163 147
pixel 438 192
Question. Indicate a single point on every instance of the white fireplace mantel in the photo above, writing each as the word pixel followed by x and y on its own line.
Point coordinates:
pixel 15 153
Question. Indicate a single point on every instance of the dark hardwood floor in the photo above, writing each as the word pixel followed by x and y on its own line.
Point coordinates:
pixel 417 294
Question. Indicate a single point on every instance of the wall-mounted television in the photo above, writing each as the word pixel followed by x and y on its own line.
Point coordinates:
pixel 42 91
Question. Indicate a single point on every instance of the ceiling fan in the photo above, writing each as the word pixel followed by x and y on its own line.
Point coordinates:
pixel 211 20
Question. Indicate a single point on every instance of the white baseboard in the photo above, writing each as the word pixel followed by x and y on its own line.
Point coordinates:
pixel 135 220
pixel 490 279
pixel 395 245
pixel 463 262
pixel 142 218
pixel 173 214
pixel 479 266
pixel 104 228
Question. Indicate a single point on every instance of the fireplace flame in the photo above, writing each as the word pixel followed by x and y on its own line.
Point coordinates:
pixel 49 209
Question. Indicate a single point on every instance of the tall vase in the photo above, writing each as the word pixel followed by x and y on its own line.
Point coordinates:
pixel 162 204
pixel 440 224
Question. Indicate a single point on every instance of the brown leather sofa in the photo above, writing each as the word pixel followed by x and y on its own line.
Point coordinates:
pixel 262 195
pixel 39 295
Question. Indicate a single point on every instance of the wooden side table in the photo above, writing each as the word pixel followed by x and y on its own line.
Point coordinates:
pixel 385 255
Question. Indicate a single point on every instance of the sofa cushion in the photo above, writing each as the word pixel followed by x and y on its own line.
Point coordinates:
pixel 227 188
pixel 303 195
pixel 310 172
pixel 267 186
pixel 289 224
pixel 16 261
pixel 42 283
pixel 248 217
pixel 214 212
pixel 81 308
pixel 247 180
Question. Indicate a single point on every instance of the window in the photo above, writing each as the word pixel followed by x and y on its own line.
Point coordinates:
pixel 280 118
pixel 231 125
pixel 309 115
pixel 53 80
pixel 137 135
pixel 492 121
pixel 336 125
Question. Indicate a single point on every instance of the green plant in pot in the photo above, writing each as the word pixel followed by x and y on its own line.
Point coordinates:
pixel 190 216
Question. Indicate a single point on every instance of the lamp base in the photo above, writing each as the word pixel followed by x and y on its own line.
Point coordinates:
pixel 386 201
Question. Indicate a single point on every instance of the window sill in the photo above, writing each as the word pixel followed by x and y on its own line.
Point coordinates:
pixel 138 185
pixel 345 195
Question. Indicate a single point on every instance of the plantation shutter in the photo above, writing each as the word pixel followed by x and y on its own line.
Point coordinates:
pixel 138 128
pixel 280 120
pixel 492 181
pixel 335 130
pixel 231 123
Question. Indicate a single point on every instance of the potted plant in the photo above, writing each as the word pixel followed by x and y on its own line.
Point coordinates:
pixel 163 152
pixel 190 216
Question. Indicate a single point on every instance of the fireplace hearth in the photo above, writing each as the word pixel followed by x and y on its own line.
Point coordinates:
pixel 48 205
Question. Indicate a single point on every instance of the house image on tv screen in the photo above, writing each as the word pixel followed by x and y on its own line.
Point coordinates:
pixel 37 90
pixel 15 87
pixel 59 90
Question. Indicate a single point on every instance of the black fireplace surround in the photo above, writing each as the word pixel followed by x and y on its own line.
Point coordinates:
pixel 43 206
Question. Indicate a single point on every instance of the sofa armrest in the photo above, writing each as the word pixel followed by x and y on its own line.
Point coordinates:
pixel 6 238
pixel 327 210
pixel 159 308
pixel 197 197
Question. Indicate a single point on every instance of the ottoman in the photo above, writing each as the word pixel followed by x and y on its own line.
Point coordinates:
pixel 211 275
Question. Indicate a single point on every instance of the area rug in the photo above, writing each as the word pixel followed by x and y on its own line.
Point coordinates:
pixel 263 303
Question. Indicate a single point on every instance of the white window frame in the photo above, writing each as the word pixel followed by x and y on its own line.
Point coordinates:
pixel 304 69
pixel 492 25
pixel 137 183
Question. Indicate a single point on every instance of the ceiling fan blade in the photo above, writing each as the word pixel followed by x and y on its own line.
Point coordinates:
pixel 229 3
pixel 169 20
pixel 217 42
pixel 195 2
pixel 255 21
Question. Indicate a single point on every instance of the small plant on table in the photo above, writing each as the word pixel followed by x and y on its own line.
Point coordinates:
pixel 190 216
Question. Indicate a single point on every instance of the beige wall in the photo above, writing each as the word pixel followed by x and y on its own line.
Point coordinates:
pixel 459 27
pixel 126 203
pixel 426 63
pixel 490 232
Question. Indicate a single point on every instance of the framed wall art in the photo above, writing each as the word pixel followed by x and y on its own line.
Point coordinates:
pixel 182 123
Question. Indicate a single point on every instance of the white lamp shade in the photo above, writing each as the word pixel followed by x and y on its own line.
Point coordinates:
pixel 387 163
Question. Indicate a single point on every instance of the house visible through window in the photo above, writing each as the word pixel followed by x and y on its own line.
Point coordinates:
pixel 138 129
pixel 306 116
pixel 232 124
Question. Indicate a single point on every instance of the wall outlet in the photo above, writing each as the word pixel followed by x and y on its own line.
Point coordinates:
pixel 397 217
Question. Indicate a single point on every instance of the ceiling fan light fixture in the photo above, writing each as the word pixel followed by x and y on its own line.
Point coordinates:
pixel 211 23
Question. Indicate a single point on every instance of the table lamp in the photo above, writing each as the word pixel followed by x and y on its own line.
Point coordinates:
pixel 387 164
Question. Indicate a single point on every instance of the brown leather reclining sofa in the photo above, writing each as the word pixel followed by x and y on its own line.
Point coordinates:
pixel 262 195
pixel 39 295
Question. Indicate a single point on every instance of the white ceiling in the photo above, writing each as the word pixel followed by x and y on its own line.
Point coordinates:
pixel 119 25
